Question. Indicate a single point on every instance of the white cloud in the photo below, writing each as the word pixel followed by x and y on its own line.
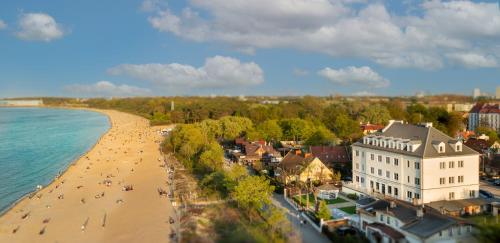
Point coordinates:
pixel 363 93
pixel 473 60
pixel 368 31
pixel 300 72
pixel 361 76
pixel 106 89
pixel 3 25
pixel 217 72
pixel 39 27
pixel 152 5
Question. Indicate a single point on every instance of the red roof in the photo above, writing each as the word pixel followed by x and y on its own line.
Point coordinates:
pixel 372 127
pixel 485 108
pixel 331 154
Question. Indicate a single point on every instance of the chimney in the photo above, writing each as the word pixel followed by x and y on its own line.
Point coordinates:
pixel 298 152
pixel 307 155
pixel 393 204
pixel 420 211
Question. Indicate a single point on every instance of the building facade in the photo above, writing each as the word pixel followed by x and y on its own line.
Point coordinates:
pixel 487 115
pixel 417 164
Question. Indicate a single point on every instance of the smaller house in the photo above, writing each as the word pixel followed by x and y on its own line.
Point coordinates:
pixel 398 221
pixel 327 191
pixel 332 155
pixel 458 208
pixel 298 166
pixel 258 151
pixel 371 128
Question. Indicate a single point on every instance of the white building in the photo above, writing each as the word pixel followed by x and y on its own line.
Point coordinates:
pixel 487 115
pixel 476 93
pixel 417 164
pixel 21 102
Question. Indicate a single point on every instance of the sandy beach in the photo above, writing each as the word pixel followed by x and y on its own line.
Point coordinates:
pixel 88 202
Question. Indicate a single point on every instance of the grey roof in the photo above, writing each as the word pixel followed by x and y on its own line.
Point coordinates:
pixel 423 227
pixel 428 225
pixel 428 136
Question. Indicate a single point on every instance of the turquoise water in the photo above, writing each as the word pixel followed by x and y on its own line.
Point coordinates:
pixel 37 143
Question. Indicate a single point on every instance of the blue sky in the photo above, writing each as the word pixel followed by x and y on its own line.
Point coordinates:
pixel 282 47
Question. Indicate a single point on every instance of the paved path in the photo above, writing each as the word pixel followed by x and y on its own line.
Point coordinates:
pixel 303 233
pixel 495 190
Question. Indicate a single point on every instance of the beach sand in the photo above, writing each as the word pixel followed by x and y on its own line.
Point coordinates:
pixel 80 198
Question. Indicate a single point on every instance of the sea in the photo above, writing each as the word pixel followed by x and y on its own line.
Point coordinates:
pixel 37 144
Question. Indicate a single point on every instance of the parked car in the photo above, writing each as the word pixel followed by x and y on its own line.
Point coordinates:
pixel 485 194
pixel 497 182
pixel 346 230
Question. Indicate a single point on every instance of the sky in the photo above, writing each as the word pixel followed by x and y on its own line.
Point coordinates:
pixel 109 48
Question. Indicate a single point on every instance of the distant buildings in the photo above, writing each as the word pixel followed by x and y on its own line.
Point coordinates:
pixel 476 93
pixel 371 128
pixel 417 164
pixel 497 94
pixel 21 102
pixel 487 115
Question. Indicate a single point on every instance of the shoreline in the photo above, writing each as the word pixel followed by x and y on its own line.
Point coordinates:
pixel 90 200
pixel 30 194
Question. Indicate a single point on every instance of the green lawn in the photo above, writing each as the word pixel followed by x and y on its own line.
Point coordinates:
pixel 334 201
pixel 349 210
pixel 311 200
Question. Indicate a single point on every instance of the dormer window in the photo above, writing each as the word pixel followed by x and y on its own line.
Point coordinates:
pixel 439 146
pixel 441 149
pixel 456 145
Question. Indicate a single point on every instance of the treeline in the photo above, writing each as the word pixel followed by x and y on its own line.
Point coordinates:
pixel 338 116
pixel 196 147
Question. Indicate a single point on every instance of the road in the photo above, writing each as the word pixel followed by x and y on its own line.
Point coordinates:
pixel 495 190
pixel 303 233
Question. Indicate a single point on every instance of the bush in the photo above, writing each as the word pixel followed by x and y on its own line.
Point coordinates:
pixel 352 196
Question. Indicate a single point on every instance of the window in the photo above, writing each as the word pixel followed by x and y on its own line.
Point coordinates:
pixel 362 180
pixel 387 160
pixel 451 180
pixel 417 181
pixel 417 166
pixel 451 195
pixel 442 165
pixel 357 166
pixel 460 179
pixel 379 172
pixel 396 162
pixel 440 233
pixel 458 147
pixel 377 186
pixel 372 170
pixel 357 178
pixel 442 181
pixel 388 220
pixel 362 154
pixel 382 218
pixel 357 153
pixel 460 164
pixel 389 189
pixel 395 191
pixel 380 158
pixel 468 228
pixel 372 156
pixel 396 176
pixel 417 196
pixel 472 193
pixel 388 174
pixel 441 149
pixel 451 164
pixel 371 184
pixel 408 179
pixel 408 163
pixel 408 194
pixel 450 232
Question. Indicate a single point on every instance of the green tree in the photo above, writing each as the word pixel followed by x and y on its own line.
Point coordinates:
pixel 488 132
pixel 270 130
pixel 323 211
pixel 233 127
pixel 346 128
pixel 488 233
pixel 212 158
pixel 253 192
pixel 296 129
pixel 321 136
pixel 376 114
